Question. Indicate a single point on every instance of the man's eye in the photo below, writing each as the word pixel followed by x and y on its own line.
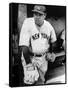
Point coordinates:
pixel 38 14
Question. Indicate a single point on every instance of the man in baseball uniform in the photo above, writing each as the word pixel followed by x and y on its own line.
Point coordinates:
pixel 35 35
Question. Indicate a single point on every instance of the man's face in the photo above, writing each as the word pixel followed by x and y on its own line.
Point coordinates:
pixel 39 18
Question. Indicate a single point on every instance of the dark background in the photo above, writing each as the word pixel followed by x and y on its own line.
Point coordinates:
pixel 52 11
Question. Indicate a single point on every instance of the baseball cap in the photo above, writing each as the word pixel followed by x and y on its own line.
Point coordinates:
pixel 39 9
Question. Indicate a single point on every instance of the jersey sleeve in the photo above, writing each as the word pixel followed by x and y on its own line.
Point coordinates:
pixel 24 34
pixel 53 35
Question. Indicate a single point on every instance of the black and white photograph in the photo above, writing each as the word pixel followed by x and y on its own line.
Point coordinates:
pixel 37 44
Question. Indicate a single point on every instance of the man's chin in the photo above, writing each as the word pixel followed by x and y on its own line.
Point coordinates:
pixel 39 24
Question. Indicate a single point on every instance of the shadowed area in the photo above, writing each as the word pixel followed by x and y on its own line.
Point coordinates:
pixel 56 75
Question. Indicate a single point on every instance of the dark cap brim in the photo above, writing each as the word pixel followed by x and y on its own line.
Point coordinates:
pixel 40 12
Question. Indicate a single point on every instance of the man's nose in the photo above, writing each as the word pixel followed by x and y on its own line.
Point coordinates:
pixel 38 16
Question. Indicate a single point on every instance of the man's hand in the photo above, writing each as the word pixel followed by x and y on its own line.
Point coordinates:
pixel 30 74
pixel 50 57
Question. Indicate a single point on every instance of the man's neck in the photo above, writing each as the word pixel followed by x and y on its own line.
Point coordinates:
pixel 39 25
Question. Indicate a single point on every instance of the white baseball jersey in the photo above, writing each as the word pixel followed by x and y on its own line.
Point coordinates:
pixel 39 36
